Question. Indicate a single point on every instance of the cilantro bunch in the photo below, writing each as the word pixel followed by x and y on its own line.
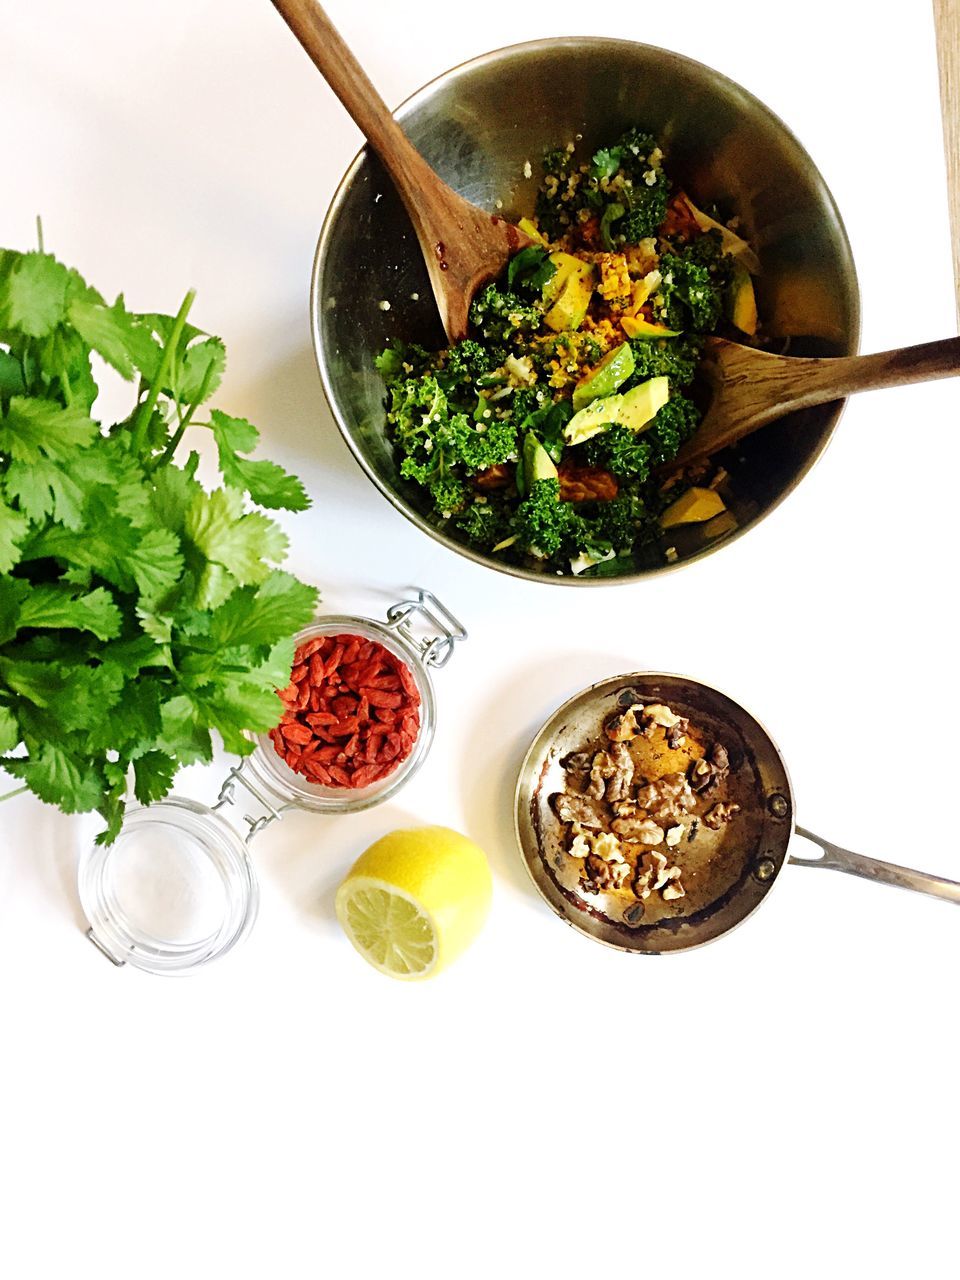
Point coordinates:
pixel 138 610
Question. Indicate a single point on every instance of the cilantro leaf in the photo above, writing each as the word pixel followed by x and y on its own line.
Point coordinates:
pixel 153 774
pixel 183 734
pixel 35 429
pixel 237 707
pixel 50 605
pixel 240 543
pixel 116 335
pixel 33 294
pixel 14 528
pixel 174 489
pixel 202 369
pixel 156 563
pixel 11 376
pixel 268 484
pixel 9 730
pixel 88 694
pixel 44 488
pixel 59 778
pixel 279 606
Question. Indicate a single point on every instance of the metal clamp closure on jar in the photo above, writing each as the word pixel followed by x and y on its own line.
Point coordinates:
pixel 177 888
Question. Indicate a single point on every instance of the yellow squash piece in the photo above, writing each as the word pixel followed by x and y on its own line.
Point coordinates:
pixel 693 507
pixel 637 327
pixel 530 228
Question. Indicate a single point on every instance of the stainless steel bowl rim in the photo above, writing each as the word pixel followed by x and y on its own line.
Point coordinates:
pixel 460 548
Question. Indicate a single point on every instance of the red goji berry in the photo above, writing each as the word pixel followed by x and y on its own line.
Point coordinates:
pixel 379 698
pixel 296 732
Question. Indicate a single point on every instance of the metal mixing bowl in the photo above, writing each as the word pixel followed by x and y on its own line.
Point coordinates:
pixel 478 125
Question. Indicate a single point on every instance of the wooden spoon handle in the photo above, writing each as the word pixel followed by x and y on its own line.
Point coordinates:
pixel 335 62
pixel 811 382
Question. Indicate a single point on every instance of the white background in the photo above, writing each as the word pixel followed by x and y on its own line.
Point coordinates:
pixel 781 1103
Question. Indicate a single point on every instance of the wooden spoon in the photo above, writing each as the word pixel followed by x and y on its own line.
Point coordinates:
pixel 463 246
pixel 751 388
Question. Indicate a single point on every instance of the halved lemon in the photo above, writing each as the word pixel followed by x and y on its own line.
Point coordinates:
pixel 415 900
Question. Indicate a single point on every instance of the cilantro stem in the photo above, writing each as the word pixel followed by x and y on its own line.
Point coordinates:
pixel 39 233
pixel 17 791
pixel 146 409
pixel 177 436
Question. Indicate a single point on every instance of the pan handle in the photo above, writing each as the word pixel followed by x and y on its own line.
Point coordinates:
pixel 855 864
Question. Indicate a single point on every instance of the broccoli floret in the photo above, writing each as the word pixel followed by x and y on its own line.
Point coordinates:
pixel 545 525
pixel 673 426
pixel 621 451
pixel 484 524
pixel 673 358
pixel 499 314
pixel 694 278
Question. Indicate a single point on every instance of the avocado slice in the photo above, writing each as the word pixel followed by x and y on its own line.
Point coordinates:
pixel 568 292
pixel 637 327
pixel 603 380
pixel 537 464
pixel 640 405
pixel 742 301
pixel 635 410
pixel 596 417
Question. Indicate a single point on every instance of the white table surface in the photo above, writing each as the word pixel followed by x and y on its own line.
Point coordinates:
pixel 781 1103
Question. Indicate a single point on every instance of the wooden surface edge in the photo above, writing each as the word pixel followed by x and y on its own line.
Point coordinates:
pixel 947 20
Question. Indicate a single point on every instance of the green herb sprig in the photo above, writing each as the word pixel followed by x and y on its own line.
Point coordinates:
pixel 138 610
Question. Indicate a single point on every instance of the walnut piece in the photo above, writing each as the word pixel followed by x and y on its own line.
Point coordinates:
pixel 601 769
pixel 620 780
pixel 623 726
pixel 673 890
pixel 598 875
pixel 720 814
pixel 639 830
pixel 579 809
pixel 709 772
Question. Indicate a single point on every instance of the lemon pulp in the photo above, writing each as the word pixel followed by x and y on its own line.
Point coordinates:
pixel 415 900
pixel 388 929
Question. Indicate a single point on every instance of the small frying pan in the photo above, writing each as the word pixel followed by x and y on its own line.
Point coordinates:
pixel 726 873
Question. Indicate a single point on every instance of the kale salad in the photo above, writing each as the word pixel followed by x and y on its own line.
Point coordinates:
pixel 537 438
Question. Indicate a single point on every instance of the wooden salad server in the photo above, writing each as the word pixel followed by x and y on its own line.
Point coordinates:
pixel 463 246
pixel 752 388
